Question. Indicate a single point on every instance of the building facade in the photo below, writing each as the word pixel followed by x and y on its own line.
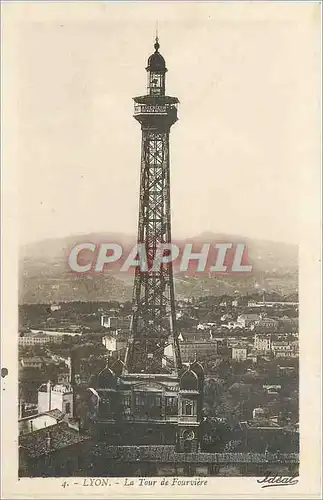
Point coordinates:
pixel 248 320
pixel 39 421
pixel 192 349
pixel 262 342
pixel 114 344
pixel 239 353
pixel 115 322
pixel 267 324
pixel 32 340
pixel 57 397
pixel 59 450
pixel 147 409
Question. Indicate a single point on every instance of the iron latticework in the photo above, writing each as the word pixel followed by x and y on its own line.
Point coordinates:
pixel 153 325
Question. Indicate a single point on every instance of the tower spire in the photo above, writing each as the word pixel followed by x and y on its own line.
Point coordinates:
pixel 156 38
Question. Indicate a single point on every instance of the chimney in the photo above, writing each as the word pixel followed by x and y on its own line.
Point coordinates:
pixel 49 393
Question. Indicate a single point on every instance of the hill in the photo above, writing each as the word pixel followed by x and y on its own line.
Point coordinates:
pixel 46 277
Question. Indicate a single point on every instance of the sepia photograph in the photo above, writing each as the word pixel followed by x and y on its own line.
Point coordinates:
pixel 162 161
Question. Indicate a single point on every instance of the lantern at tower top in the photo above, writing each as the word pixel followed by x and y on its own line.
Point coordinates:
pixel 156 69
pixel 155 109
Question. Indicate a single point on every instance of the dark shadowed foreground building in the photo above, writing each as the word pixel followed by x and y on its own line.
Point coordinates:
pixel 143 409
pixel 59 450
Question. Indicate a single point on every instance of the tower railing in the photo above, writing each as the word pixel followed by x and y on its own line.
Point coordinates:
pixel 154 109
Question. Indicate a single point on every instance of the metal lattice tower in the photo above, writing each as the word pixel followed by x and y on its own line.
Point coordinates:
pixel 153 325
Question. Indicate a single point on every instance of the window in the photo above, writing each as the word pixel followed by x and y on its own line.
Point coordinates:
pixel 68 408
pixel 156 83
pixel 140 401
pixel 157 401
pixel 187 408
pixel 126 400
pixel 171 406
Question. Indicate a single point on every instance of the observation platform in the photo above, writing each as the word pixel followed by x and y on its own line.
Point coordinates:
pixel 155 107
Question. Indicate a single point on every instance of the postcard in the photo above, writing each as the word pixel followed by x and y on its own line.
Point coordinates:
pixel 161 295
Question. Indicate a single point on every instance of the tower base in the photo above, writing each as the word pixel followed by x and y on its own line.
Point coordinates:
pixel 148 409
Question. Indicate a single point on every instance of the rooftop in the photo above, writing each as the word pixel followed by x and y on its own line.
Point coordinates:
pixel 160 377
pixel 249 316
pixel 57 414
pixel 260 423
pixel 61 388
pixel 50 439
pixel 167 454
pixel 32 359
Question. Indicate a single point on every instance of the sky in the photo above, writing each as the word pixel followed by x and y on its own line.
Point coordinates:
pixel 241 153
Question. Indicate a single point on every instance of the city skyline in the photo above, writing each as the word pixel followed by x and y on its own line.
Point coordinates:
pixel 79 154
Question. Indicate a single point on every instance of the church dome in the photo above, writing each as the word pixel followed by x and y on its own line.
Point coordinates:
pixel 156 62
